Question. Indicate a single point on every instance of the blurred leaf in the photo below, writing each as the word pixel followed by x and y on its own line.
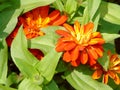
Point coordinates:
pixel 96 20
pixel 6 88
pixel 104 60
pixel 71 7
pixel 110 12
pixel 59 5
pixel 93 6
pixel 23 59
pixel 47 42
pixel 3 61
pixel 27 84
pixel 109 37
pixel 13 78
pixel 30 4
pixel 80 79
pixel 107 27
pixel 4 5
pixel 51 86
pixel 86 16
pixel 48 64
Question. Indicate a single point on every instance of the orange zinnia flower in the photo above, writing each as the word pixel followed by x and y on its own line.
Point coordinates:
pixel 34 20
pixel 80 44
pixel 112 71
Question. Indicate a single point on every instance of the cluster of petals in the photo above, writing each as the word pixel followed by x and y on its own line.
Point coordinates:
pixel 80 44
pixel 112 71
pixel 35 19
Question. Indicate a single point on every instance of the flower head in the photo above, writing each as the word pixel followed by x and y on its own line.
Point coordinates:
pixel 34 20
pixel 112 71
pixel 80 44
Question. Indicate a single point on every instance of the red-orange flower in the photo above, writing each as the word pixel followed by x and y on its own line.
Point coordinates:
pixel 80 44
pixel 112 71
pixel 34 20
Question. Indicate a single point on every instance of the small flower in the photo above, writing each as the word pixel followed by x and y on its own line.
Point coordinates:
pixel 112 71
pixel 80 44
pixel 34 20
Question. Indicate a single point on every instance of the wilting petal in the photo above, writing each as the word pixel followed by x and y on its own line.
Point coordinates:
pixel 75 53
pixel 97 74
pixel 53 15
pixel 67 57
pixel 83 57
pixel 117 79
pixel 105 78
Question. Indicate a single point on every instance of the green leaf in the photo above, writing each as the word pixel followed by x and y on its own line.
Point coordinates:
pixel 6 88
pixel 47 42
pixel 27 84
pixel 80 79
pixel 104 60
pixel 71 6
pixel 48 64
pixel 51 86
pixel 59 5
pixel 3 61
pixel 23 59
pixel 86 16
pixel 110 12
pixel 13 78
pixel 4 5
pixel 109 37
pixel 30 4
pixel 93 6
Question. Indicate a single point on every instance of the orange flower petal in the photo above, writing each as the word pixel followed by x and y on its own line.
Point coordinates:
pixel 98 51
pixel 97 74
pixel 83 57
pixel 53 15
pixel 62 33
pixel 96 41
pixel 70 46
pixel 44 11
pixel 61 20
pixel 67 57
pixel 105 78
pixel 117 79
pixel 96 35
pixel 60 47
pixel 68 27
pixel 88 27
pixel 75 53
pixel 75 63
pixel 92 53
pixel 111 74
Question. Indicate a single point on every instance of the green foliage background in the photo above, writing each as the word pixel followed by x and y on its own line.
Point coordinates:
pixel 51 73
